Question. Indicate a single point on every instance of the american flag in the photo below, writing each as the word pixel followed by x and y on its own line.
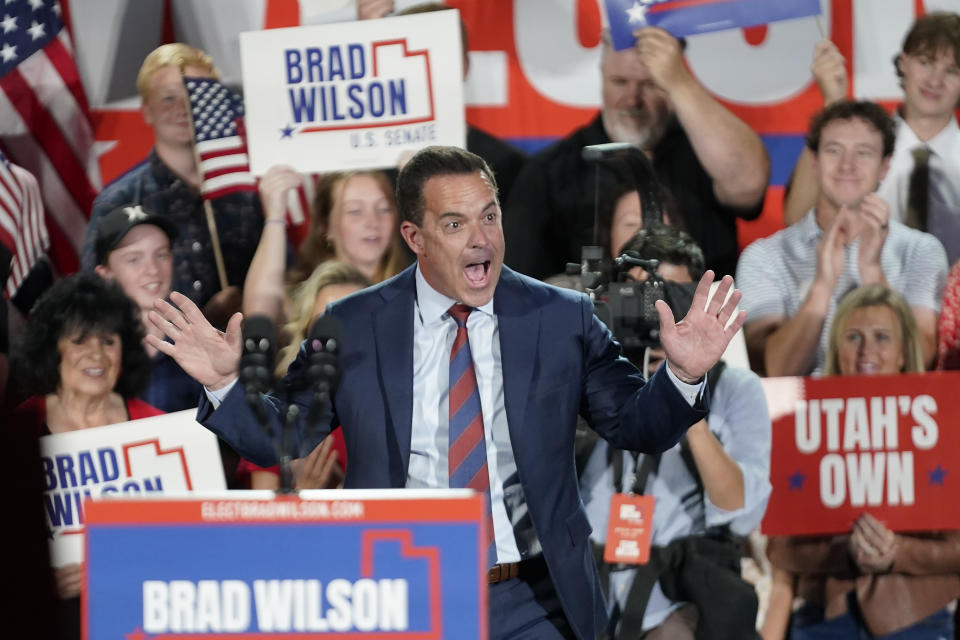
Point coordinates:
pixel 22 230
pixel 45 121
pixel 222 150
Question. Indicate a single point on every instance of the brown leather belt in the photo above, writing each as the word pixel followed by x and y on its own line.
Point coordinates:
pixel 501 572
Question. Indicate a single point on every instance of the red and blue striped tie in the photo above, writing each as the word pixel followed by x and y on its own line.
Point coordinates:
pixel 468 448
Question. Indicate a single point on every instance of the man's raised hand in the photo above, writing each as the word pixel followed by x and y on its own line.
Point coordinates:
pixel 207 355
pixel 696 343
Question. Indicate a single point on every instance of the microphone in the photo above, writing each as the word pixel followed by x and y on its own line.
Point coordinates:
pixel 323 345
pixel 323 367
pixel 256 363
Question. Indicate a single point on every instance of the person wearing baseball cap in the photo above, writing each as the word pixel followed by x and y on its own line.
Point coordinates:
pixel 133 248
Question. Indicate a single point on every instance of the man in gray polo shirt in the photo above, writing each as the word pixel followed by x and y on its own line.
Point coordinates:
pixel 792 280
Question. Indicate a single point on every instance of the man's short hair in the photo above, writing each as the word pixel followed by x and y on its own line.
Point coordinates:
pixel 870 112
pixel 667 244
pixel 930 35
pixel 175 54
pixel 430 162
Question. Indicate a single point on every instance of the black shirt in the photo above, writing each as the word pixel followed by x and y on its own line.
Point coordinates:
pixel 550 213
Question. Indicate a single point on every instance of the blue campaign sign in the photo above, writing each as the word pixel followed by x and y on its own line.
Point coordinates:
pixel 690 17
pixel 240 568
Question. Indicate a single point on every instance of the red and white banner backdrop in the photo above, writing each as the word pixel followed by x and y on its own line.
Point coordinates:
pixel 534 67
pixel 842 446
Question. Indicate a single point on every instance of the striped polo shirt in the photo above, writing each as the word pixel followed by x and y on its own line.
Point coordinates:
pixel 776 273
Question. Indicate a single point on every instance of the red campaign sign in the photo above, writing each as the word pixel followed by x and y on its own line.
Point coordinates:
pixel 842 446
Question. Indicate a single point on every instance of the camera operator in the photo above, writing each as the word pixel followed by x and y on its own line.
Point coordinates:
pixel 711 489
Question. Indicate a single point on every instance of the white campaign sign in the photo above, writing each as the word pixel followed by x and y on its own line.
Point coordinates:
pixel 167 454
pixel 353 95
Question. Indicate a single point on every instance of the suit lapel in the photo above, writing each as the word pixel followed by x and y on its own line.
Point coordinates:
pixel 393 333
pixel 518 319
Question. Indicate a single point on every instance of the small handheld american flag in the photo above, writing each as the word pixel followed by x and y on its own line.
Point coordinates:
pixel 222 150
pixel 217 123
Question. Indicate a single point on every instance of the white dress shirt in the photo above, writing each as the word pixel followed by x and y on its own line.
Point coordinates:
pixel 434 331
pixel 944 199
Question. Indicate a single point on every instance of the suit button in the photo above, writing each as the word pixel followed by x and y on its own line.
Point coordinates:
pixel 197 285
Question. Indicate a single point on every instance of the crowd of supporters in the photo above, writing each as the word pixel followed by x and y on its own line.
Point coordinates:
pixel 858 282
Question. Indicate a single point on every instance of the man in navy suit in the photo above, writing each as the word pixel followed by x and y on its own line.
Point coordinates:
pixel 540 358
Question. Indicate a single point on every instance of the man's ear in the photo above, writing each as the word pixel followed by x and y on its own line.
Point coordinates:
pixel 103 271
pixel 412 235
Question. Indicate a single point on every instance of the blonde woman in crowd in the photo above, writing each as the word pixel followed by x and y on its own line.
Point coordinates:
pixel 872 582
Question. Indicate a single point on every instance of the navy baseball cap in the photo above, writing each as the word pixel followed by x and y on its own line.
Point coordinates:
pixel 112 227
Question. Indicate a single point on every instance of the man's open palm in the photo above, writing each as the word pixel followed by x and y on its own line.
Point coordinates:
pixel 696 343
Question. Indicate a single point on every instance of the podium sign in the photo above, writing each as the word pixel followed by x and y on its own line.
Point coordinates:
pixel 333 564
pixel 845 445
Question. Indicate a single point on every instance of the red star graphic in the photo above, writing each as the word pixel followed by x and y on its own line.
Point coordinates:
pixel 136 634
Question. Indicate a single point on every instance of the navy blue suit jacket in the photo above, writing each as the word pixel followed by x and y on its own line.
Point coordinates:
pixel 558 361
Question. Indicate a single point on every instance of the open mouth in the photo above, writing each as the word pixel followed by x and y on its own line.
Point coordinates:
pixel 477 273
pixel 93 372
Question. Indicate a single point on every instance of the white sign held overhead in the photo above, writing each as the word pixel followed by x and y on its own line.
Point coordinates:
pixel 352 95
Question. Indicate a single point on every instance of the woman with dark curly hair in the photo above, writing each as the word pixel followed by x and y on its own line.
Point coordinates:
pixel 82 357
pixel 83 360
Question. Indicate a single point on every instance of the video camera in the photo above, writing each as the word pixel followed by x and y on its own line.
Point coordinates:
pixel 624 304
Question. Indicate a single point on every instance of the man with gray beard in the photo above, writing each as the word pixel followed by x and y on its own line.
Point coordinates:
pixel 714 165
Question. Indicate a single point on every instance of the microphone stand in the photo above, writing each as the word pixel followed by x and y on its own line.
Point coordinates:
pixel 285 446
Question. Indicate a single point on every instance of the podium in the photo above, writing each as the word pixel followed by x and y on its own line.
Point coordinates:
pixel 390 564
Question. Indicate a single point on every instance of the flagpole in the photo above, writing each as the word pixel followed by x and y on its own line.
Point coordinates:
pixel 823 32
pixel 207 207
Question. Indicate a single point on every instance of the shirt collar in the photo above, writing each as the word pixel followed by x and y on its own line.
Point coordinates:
pixel 808 227
pixel 433 305
pixel 942 144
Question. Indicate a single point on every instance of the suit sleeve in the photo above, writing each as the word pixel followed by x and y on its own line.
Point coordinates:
pixel 616 402
pixel 236 423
